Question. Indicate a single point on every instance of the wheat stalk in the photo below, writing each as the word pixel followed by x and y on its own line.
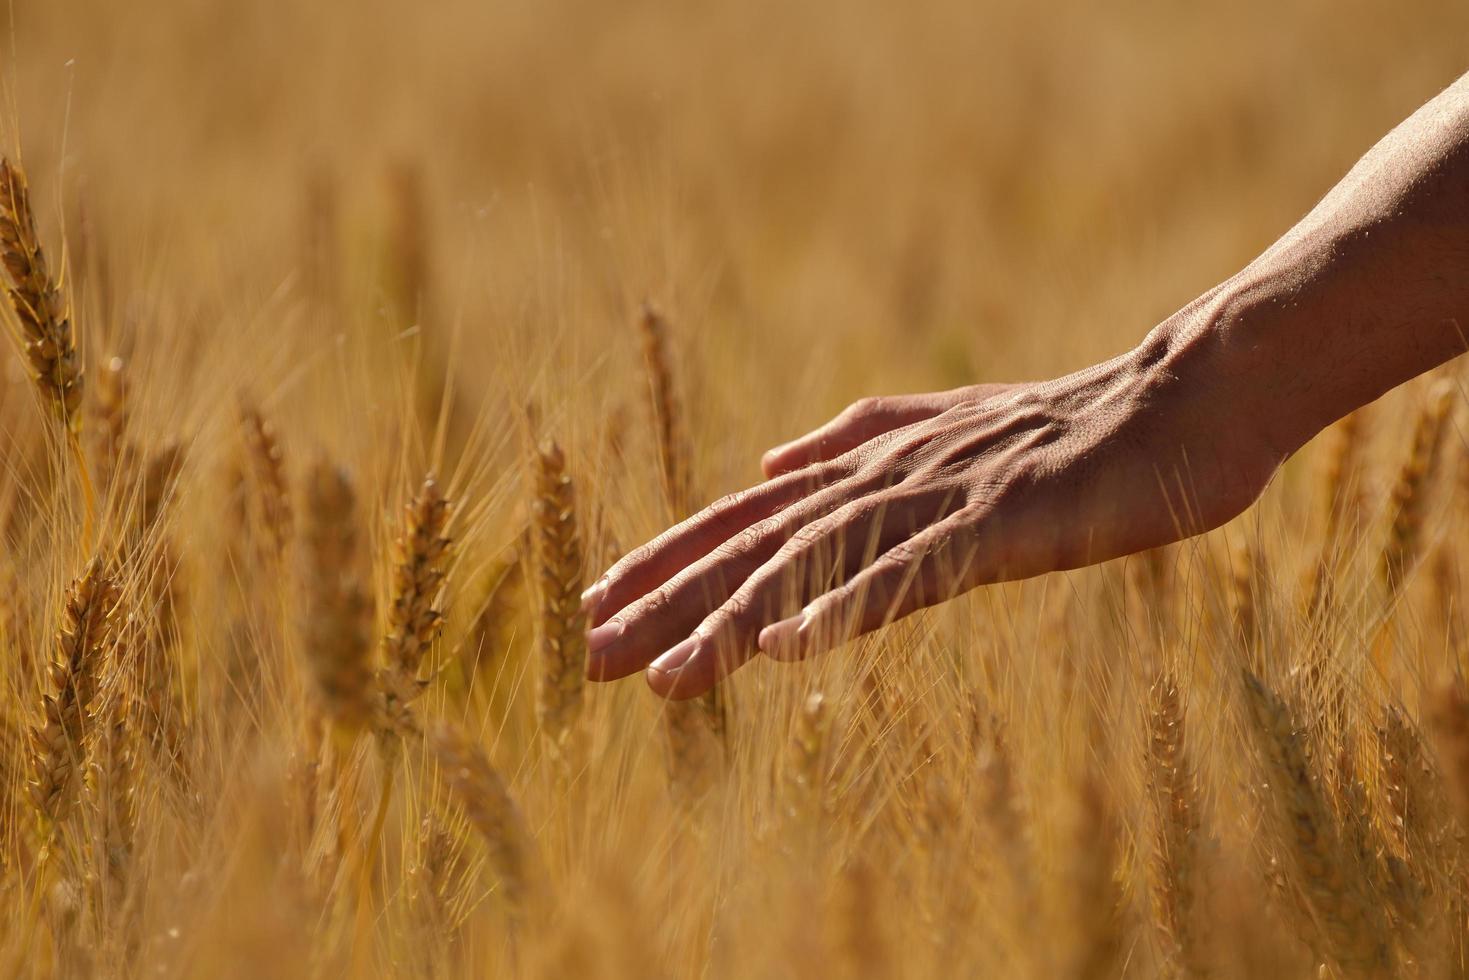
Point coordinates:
pixel 1342 495
pixel 1448 720
pixel 110 418
pixel 671 443
pixel 694 753
pixel 489 633
pixel 671 440
pixel 480 790
pixel 809 756
pixel 112 779
pixel 46 336
pixel 1409 503
pixel 337 624
pixel 57 744
pixel 415 617
pixel 439 877
pixel 1172 782
pixel 265 461
pixel 1405 782
pixel 1336 903
pixel 1246 586
pixel 562 650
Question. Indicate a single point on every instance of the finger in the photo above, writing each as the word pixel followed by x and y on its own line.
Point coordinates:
pixel 939 563
pixel 858 423
pixel 651 624
pixel 828 549
pixel 647 567
pixel 865 420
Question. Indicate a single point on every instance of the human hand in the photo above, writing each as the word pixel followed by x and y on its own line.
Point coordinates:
pixel 900 503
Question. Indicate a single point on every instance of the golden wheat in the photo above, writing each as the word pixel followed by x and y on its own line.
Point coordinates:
pixel 1043 778
pixel 1177 856
pixel 559 583
pixel 46 335
pixel 488 806
pixel 670 439
pixel 1330 894
pixel 268 487
pixel 337 621
pixel 415 615
pixel 58 742
pixel 1409 496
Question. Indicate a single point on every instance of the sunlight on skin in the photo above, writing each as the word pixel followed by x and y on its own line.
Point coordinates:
pixel 944 492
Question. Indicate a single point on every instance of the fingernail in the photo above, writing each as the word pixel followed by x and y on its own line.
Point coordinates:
pixel 593 595
pixel 773 456
pixel 777 636
pixel 676 657
pixel 787 639
pixel 601 637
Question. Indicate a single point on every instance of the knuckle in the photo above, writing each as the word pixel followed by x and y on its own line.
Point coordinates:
pixel 734 610
pixel 806 536
pixel 820 476
pixel 654 602
pixel 903 554
pixel 715 625
pixel 870 408
pixel 720 515
pixel 744 541
pixel 628 563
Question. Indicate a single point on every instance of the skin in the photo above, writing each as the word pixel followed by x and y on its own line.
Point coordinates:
pixel 903 502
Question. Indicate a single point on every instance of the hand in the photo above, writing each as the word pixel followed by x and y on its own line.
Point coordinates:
pixel 900 503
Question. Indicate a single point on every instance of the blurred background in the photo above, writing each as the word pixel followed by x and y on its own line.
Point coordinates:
pixel 392 226
pixel 831 199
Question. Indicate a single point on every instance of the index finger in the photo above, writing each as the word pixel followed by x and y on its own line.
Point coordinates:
pixel 647 567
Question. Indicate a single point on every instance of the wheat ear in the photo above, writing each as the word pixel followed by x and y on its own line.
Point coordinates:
pixel 112 778
pixel 1448 721
pixel 415 616
pixel 47 340
pixel 489 633
pixel 1335 903
pixel 57 744
pixel 1245 589
pixel 1342 509
pixel 672 445
pixel 1174 790
pixel 480 790
pixel 671 440
pixel 563 653
pixel 46 336
pixel 1409 504
pixel 110 419
pixel 809 748
pixel 265 459
pixel 337 628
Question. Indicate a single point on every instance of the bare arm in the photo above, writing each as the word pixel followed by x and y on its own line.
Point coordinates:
pixel 900 503
pixel 1369 289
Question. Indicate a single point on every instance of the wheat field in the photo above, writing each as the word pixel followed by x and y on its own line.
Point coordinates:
pixel 330 383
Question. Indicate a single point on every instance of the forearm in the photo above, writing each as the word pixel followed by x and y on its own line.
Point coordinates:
pixel 1369 290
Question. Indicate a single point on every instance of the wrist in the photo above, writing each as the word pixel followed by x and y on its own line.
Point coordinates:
pixel 1217 363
